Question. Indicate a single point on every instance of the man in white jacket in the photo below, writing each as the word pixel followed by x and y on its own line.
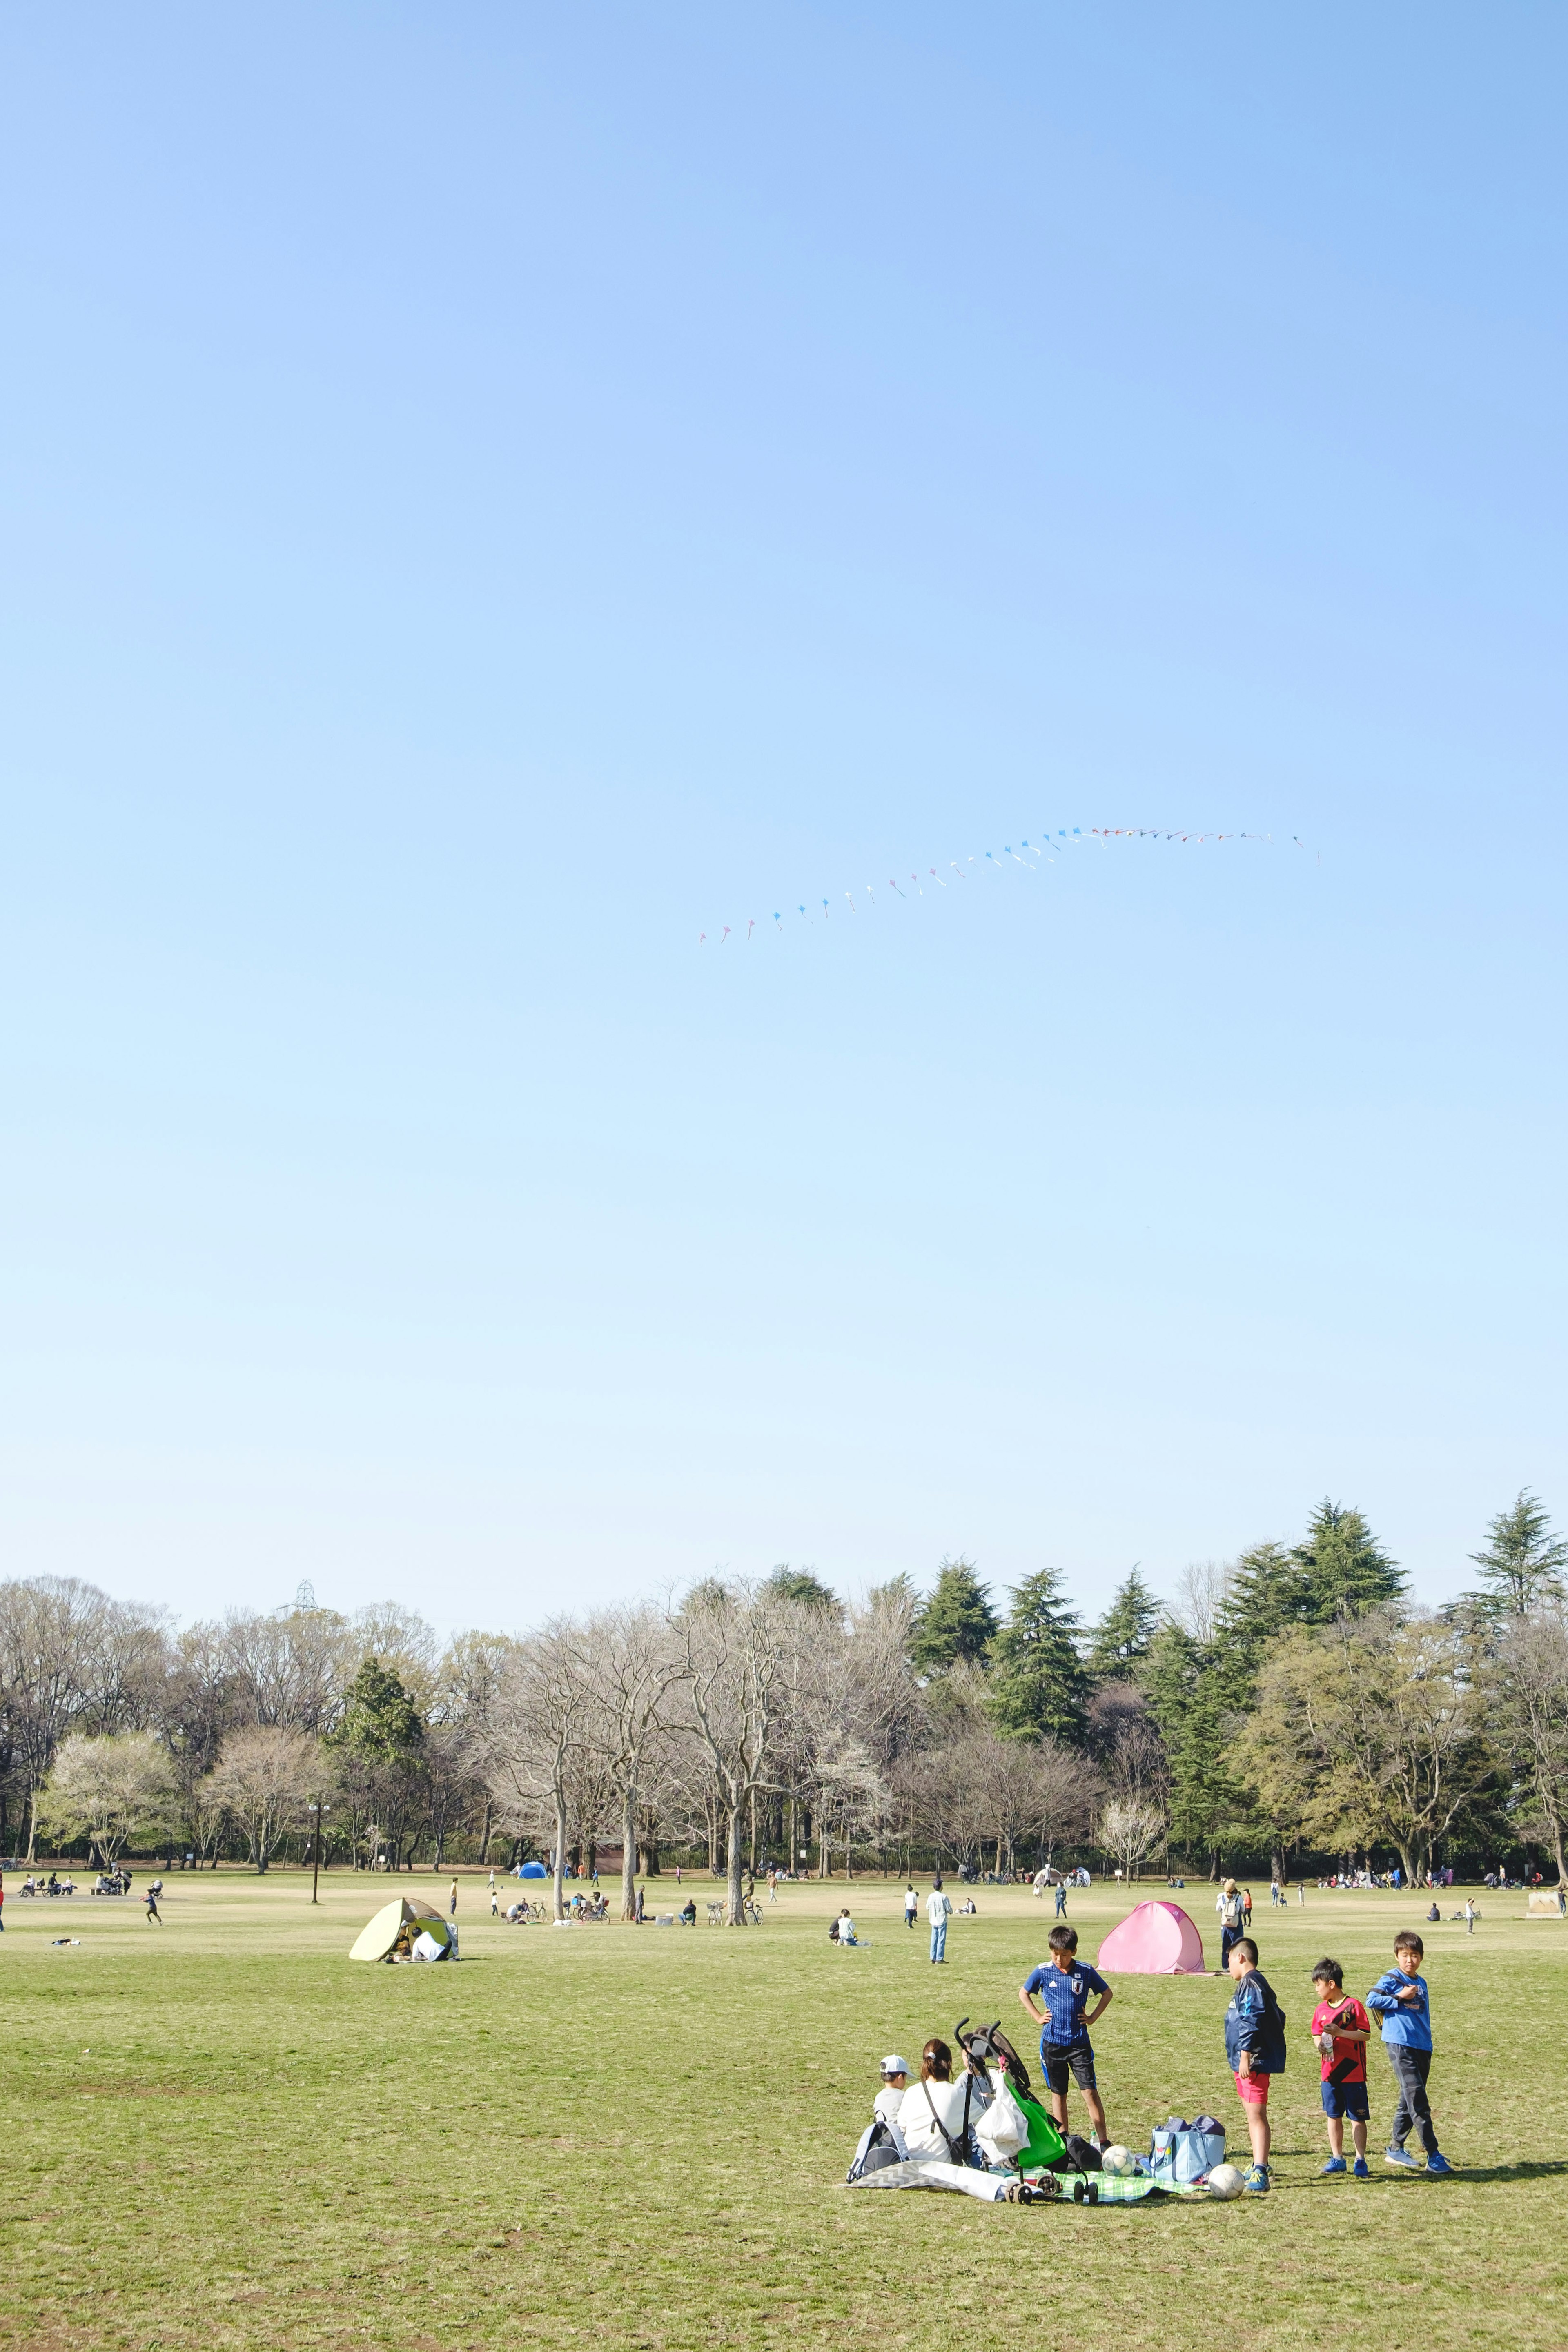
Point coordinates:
pixel 939 1911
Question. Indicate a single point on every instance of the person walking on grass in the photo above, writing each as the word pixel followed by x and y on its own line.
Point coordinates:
pixel 911 1906
pixel 452 1905
pixel 1230 1906
pixel 151 1900
pixel 939 1911
pixel 1255 2047
pixel 495 1899
pixel 1061 1898
pixel 1400 1998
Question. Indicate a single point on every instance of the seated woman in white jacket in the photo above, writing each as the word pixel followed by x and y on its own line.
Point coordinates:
pixel 932 2111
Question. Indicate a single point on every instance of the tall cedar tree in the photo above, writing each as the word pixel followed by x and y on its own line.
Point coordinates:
pixel 380 1722
pixel 1038 1686
pixel 1190 1700
pixel 1522 1559
pixel 1346 1571
pixel 799 1584
pixel 1119 1642
pixel 955 1621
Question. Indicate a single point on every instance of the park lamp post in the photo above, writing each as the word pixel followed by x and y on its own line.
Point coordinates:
pixel 317 1809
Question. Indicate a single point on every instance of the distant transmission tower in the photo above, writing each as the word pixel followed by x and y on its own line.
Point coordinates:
pixel 306 1596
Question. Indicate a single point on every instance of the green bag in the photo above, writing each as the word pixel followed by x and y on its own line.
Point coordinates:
pixel 1044 2145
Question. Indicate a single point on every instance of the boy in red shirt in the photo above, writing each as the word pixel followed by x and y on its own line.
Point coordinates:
pixel 1341 2028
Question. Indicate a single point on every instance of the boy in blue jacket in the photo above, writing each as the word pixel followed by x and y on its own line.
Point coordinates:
pixel 1401 2000
pixel 1255 2047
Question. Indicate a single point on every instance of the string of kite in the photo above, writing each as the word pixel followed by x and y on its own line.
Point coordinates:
pixel 1041 850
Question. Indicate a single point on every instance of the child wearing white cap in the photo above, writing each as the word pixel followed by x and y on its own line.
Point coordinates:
pixel 894 2083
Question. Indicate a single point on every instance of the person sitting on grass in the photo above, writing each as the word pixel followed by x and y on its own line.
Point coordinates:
pixel 1063 1985
pixel 935 2114
pixel 1255 2047
pixel 844 1929
pixel 1342 2030
pixel 895 2073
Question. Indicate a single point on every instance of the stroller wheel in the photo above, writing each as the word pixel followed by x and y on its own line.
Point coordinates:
pixel 1085 2192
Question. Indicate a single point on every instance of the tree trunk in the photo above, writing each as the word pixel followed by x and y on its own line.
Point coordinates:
pixel 737 1908
pixel 629 1851
pixel 560 1856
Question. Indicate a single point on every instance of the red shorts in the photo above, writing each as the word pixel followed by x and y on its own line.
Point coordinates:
pixel 1253 2089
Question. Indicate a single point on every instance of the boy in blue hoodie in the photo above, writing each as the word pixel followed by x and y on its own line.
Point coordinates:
pixel 1401 2000
pixel 1255 2046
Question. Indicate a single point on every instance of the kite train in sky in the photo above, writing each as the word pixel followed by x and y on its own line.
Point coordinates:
pixel 1043 849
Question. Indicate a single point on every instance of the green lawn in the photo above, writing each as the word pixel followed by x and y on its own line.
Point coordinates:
pixel 228 2133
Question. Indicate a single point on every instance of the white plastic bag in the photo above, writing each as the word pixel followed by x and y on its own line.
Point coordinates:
pixel 1003 2128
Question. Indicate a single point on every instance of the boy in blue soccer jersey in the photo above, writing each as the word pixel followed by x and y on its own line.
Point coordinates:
pixel 1064 1986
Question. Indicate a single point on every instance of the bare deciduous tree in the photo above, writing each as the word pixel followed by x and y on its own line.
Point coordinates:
pixel 262 1780
pixel 729 1648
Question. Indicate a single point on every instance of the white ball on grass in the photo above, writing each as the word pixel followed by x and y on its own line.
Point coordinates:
pixel 1118 2161
pixel 1226 2181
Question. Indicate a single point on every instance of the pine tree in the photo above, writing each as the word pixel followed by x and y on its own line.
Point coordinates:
pixel 788 1583
pixel 1191 1701
pixel 1522 1559
pixel 1268 1592
pixel 1119 1642
pixel 380 1721
pixel 1038 1686
pixel 1347 1572
pixel 956 1621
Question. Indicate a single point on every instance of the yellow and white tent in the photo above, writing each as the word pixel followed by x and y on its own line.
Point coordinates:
pixel 377 1939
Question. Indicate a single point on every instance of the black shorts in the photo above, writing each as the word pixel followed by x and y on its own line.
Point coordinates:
pixel 1060 2058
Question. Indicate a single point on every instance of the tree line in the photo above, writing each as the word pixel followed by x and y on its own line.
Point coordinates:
pixel 1290 1706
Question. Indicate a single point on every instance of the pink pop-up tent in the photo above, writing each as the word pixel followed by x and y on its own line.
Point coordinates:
pixel 1158 1939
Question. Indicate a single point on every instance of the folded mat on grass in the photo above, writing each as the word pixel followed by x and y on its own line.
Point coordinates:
pixel 1001 2188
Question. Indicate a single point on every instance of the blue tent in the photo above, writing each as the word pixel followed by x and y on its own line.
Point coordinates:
pixel 533 1870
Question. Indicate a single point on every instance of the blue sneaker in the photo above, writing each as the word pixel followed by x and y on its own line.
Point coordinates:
pixel 1361 2169
pixel 1335 2164
pixel 1440 2165
pixel 1256 2180
pixel 1403 2158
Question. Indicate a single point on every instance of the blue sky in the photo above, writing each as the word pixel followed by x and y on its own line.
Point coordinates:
pixel 490 496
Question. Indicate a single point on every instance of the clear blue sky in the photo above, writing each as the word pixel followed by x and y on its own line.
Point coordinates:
pixel 492 493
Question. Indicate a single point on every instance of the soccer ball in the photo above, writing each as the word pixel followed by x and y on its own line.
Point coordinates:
pixel 1118 2161
pixel 1225 2180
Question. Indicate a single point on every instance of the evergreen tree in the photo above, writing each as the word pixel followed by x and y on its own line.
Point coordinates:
pixel 788 1583
pixel 1522 1559
pixel 1119 1642
pixel 1268 1592
pixel 1346 1571
pixel 1038 1686
pixel 1192 1705
pixel 956 1619
pixel 381 1723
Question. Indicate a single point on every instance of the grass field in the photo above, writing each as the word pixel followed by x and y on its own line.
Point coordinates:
pixel 226 2134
